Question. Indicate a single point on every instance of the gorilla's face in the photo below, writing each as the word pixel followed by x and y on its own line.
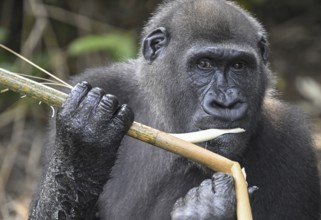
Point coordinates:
pixel 226 85
pixel 209 75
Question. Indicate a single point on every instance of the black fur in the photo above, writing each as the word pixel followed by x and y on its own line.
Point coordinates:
pixel 167 90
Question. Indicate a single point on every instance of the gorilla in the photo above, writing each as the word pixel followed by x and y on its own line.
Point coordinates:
pixel 202 64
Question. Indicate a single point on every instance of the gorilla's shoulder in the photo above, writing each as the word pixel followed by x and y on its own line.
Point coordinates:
pixel 285 120
pixel 119 79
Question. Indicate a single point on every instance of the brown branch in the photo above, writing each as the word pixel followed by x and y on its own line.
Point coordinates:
pixel 147 134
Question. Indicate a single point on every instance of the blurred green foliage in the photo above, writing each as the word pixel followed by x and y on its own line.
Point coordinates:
pixel 120 45
pixel 3 34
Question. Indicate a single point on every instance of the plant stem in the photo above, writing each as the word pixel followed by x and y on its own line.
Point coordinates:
pixel 147 134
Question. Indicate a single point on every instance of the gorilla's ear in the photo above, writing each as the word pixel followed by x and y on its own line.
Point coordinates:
pixel 264 48
pixel 154 43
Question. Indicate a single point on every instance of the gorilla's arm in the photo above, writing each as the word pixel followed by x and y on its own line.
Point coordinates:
pixel 89 129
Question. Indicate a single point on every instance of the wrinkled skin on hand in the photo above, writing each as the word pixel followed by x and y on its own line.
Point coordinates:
pixel 95 124
pixel 89 128
pixel 213 199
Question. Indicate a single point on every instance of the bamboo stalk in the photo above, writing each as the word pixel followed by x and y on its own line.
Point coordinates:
pixel 147 134
pixel 31 88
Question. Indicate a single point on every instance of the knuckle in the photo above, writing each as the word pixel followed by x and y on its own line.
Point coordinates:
pixel 110 99
pixel 92 99
pixel 220 176
pixel 126 113
pixel 76 95
pixel 192 192
pixel 109 102
pixel 83 84
pixel 96 92
pixel 206 182
pixel 80 87
pixel 119 122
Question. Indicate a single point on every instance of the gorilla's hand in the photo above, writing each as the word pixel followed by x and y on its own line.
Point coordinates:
pixel 213 199
pixel 89 128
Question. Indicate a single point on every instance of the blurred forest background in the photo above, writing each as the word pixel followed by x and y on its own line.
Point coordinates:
pixel 67 36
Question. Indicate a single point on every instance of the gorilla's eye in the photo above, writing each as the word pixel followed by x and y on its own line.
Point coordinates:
pixel 204 64
pixel 239 65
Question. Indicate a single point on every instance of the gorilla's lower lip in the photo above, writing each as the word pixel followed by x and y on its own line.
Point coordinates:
pixel 207 135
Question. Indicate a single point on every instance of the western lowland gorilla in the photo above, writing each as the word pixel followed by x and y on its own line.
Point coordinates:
pixel 202 64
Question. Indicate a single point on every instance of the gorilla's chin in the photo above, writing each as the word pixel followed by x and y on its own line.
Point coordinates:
pixel 227 145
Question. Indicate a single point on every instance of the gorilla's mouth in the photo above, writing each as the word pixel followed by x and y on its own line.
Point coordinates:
pixel 207 136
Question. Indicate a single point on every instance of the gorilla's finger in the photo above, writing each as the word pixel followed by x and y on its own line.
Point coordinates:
pixel 106 108
pixel 75 97
pixel 205 189
pixel 191 194
pixel 123 119
pixel 108 105
pixel 89 102
pixel 252 193
pixel 222 183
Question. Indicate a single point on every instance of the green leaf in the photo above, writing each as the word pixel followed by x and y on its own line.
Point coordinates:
pixel 120 45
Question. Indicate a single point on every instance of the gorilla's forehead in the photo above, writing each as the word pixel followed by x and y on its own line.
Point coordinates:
pixel 213 20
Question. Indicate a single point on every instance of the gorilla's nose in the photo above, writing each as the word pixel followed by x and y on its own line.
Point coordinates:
pixel 225 105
